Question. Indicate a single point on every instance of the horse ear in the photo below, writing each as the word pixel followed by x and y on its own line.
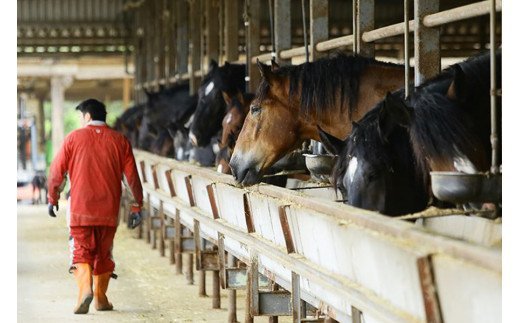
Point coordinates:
pixel 458 88
pixel 227 98
pixel 394 112
pixel 226 64
pixel 274 65
pixel 213 65
pixel 265 71
pixel 332 144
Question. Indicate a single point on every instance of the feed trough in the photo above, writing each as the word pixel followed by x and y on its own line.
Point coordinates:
pixel 462 188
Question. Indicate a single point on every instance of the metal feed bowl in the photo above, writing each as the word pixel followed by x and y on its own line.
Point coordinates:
pixel 462 188
pixel 320 166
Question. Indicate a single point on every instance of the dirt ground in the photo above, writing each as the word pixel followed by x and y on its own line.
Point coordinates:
pixel 147 290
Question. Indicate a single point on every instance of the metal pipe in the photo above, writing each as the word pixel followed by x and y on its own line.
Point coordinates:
pixel 290 53
pixel 460 13
pixel 335 43
pixel 387 31
pixel 493 95
pixel 406 51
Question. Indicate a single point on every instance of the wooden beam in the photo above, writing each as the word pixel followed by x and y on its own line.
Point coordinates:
pixel 426 42
pixel 253 42
pixel 319 26
pixel 195 48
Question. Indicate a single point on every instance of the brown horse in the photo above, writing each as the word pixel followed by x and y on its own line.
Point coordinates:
pixel 292 101
pixel 237 109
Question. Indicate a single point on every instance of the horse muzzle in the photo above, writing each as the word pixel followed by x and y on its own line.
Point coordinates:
pixel 244 172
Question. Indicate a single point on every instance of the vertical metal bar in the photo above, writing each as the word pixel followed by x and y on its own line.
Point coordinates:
pixel 365 22
pixel 282 26
pixel 182 37
pixel 304 24
pixel 319 16
pixel 355 30
pixel 221 31
pixel 296 298
pixel 252 42
pixel 231 30
pixel 195 46
pixel 212 28
pixel 426 42
pixel 493 90
pixel 406 50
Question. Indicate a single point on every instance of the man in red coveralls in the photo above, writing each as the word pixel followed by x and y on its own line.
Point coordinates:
pixel 95 158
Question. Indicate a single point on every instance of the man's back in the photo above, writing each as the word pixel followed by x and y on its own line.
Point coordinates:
pixel 96 157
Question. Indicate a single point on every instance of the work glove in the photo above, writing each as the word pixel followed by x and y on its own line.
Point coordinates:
pixel 136 218
pixel 51 209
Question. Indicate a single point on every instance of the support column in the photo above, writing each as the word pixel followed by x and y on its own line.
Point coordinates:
pixel 182 37
pixel 58 87
pixel 319 14
pixel 252 42
pixel 426 42
pixel 363 20
pixel 212 35
pixel 195 46
pixel 282 27
pixel 231 30
pixel 41 124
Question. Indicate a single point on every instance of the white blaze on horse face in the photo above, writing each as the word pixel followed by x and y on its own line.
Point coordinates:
pixel 193 138
pixel 352 167
pixel 464 165
pixel 219 168
pixel 209 88
pixel 229 119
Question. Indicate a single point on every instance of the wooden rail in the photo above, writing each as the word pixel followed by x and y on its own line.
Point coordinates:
pixel 390 270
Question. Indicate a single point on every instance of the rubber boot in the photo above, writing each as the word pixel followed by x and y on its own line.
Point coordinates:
pixel 100 290
pixel 83 275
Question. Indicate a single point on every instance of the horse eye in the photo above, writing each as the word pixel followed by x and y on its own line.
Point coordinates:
pixel 255 109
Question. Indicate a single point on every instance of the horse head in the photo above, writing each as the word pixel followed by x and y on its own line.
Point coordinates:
pixel 211 106
pixel 375 169
pixel 272 128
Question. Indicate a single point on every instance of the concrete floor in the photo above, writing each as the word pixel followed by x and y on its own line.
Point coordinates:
pixel 147 289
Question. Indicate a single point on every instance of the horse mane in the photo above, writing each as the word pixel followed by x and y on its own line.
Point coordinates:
pixel 317 83
pixel 445 128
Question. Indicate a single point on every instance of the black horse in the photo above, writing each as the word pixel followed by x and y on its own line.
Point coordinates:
pixel 211 106
pixel 129 123
pixel 165 112
pixel 444 125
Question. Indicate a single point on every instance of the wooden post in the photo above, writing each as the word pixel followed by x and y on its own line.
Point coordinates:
pixel 171 245
pixel 161 230
pixel 232 294
pixel 319 26
pixel 216 289
pixel 231 30
pixel 182 37
pixel 178 243
pixel 172 41
pixel 212 34
pixel 126 92
pixel 202 284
